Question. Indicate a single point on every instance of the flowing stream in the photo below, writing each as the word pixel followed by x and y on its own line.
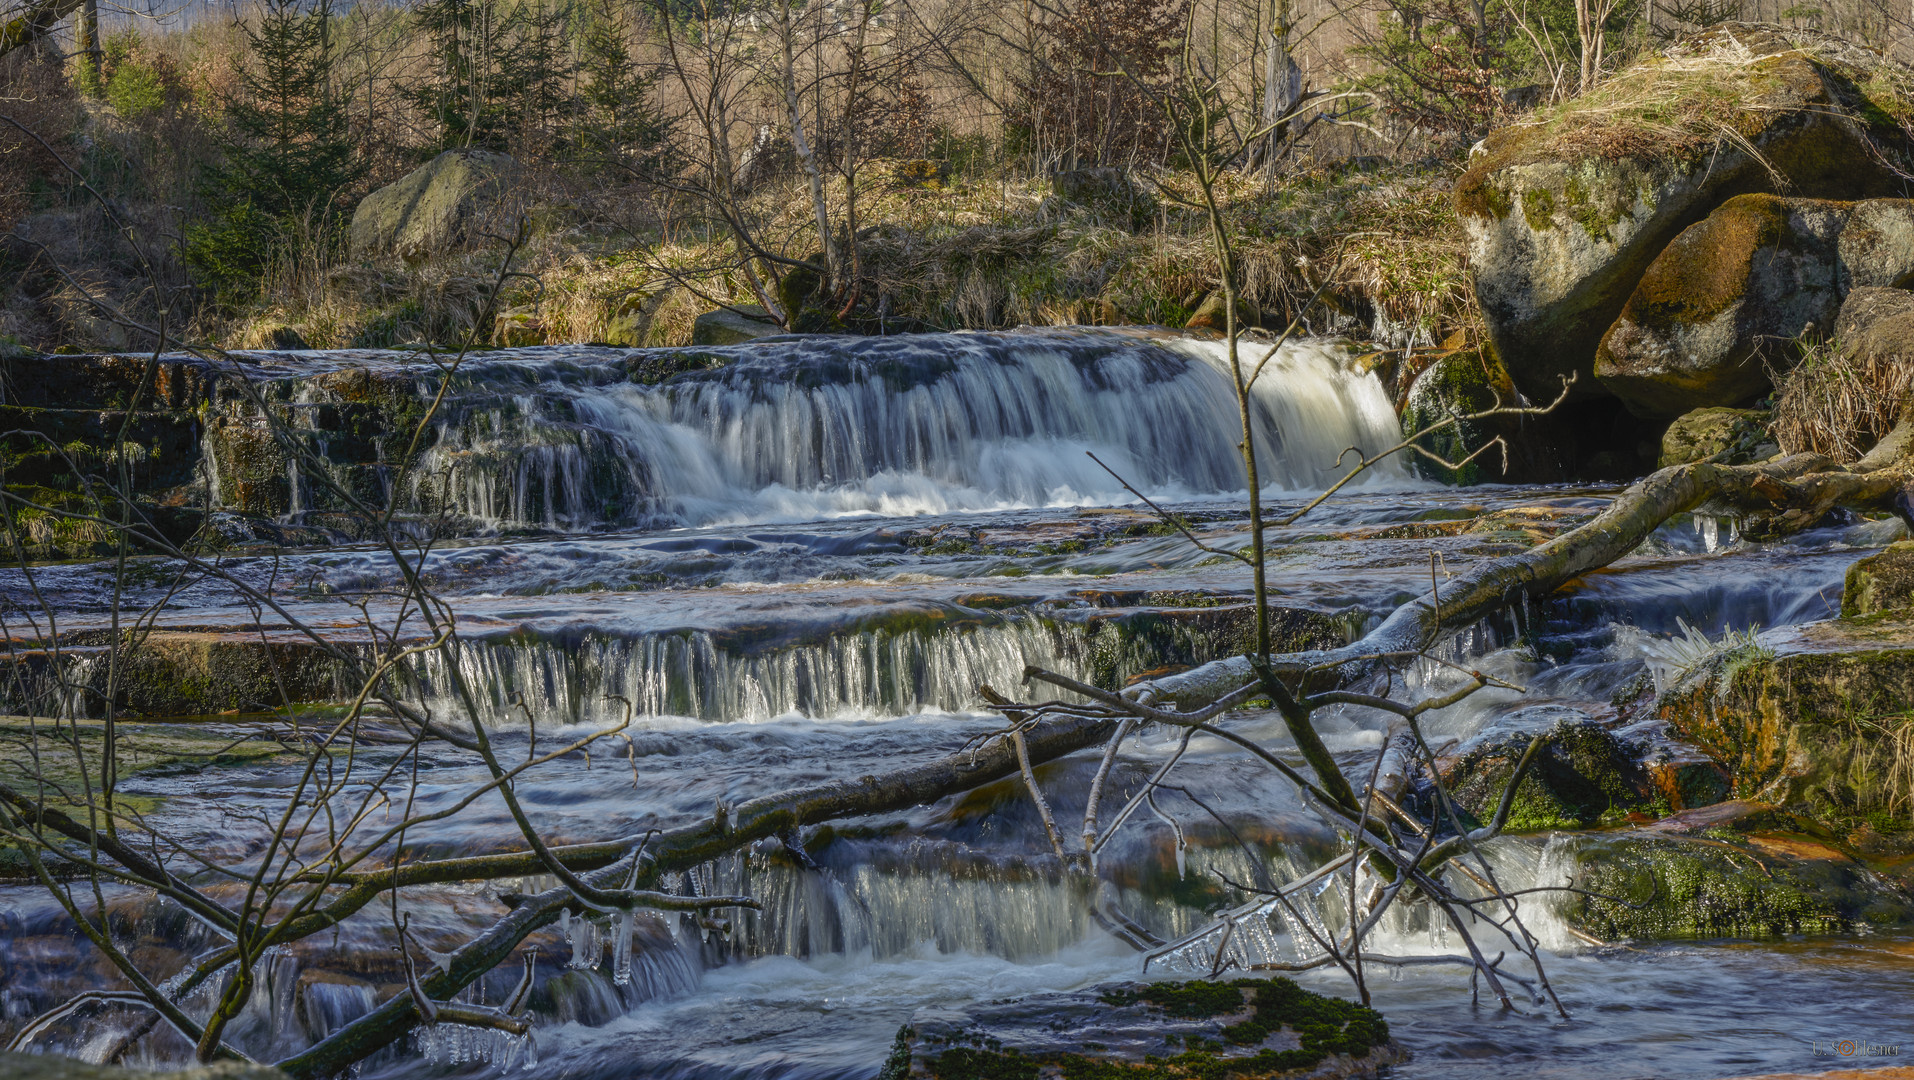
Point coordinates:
pixel 799 567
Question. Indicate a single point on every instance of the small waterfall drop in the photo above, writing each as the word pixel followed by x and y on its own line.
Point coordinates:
pixel 936 423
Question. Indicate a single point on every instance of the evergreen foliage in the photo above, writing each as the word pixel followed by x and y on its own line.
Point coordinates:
pixel 287 157
pixel 499 76
pixel 617 127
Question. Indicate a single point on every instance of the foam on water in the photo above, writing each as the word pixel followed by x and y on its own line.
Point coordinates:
pixel 896 426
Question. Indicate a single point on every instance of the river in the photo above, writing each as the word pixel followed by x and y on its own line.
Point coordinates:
pixel 800 566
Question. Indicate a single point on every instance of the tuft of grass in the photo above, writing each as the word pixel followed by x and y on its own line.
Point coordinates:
pixel 1839 405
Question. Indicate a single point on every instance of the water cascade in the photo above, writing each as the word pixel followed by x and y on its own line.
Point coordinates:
pixel 834 426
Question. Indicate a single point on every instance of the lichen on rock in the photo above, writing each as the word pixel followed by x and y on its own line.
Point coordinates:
pixel 1605 181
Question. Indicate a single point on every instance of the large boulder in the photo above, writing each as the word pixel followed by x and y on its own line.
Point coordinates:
pixel 1812 716
pixel 1729 301
pixel 434 208
pixel 1723 303
pixel 1565 211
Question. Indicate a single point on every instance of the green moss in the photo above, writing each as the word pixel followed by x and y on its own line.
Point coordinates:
pixel 1538 208
pixel 1323 1026
pixel 1582 777
pixel 1706 270
pixel 1717 887
pixel 1596 202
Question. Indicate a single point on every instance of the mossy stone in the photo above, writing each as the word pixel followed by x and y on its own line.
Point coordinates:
pixel 1881 582
pixel 1582 776
pixel 1565 211
pixel 1726 436
pixel 1726 302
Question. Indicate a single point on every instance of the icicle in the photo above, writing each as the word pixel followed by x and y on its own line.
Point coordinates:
pixel 456 1044
pixel 621 948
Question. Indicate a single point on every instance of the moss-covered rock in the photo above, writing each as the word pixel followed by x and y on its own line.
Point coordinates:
pixel 1656 884
pixel 1249 1028
pixel 191 673
pixel 1472 381
pixel 1723 304
pixel 1582 776
pixel 1727 436
pixel 1735 295
pixel 433 208
pixel 1815 717
pixel 1883 582
pixel 1565 212
pixel 727 327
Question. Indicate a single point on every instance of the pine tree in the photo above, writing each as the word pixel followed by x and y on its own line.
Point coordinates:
pixel 466 37
pixel 287 159
pixel 499 76
pixel 617 127
pixel 288 150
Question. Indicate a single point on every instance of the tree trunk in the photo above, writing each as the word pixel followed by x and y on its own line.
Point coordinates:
pixel 1805 485
pixel 805 154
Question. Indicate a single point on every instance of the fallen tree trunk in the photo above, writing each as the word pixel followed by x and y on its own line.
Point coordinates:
pixel 676 849
pixel 1804 486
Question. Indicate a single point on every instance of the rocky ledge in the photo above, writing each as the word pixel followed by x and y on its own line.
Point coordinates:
pixel 1249 1029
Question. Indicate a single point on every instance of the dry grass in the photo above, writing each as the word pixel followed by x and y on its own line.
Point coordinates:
pixel 1838 405
pixel 977 253
pixel 1706 92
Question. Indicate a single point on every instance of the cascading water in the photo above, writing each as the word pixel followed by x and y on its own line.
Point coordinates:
pixel 762 659
pixel 931 424
pixel 692 674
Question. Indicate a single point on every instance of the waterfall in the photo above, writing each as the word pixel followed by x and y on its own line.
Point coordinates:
pixel 694 674
pixel 921 424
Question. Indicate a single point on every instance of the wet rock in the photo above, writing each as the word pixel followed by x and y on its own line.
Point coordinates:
pixel 1250 1028
pixel 186 673
pixel 1582 776
pixel 1473 381
pixel 727 327
pixel 1813 716
pixel 248 466
pixel 1724 303
pixel 1726 436
pixel 1760 876
pixel 434 208
pixel 1122 643
pixel 654 366
pixel 1564 215
pixel 58 1067
pixel 1211 315
pixel 1883 582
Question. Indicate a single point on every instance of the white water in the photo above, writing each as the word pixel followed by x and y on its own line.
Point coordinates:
pixel 899 426
pixel 863 675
